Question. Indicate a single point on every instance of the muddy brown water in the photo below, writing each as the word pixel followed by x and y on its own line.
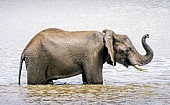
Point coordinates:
pixel 84 94
pixel 21 20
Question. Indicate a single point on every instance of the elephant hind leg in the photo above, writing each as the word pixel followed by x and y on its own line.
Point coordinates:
pixel 35 77
pixel 36 73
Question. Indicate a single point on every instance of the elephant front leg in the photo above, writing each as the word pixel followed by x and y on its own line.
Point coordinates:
pixel 49 82
pixel 92 73
pixel 84 78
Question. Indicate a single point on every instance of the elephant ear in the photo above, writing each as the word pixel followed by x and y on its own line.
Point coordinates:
pixel 109 42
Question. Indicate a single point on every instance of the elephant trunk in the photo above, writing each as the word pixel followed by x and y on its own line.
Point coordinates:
pixel 145 59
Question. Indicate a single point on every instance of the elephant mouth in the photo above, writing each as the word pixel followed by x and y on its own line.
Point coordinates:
pixel 139 68
pixel 136 66
pixel 128 62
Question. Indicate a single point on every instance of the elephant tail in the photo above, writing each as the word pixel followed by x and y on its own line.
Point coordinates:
pixel 20 67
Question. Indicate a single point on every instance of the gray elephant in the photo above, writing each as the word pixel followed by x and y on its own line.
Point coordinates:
pixel 54 54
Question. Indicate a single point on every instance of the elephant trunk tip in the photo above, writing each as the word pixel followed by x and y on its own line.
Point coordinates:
pixel 105 30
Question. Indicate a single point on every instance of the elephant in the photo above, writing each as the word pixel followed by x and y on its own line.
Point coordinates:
pixel 55 54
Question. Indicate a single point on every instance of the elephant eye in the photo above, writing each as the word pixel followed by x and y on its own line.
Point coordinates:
pixel 123 51
pixel 116 41
pixel 128 50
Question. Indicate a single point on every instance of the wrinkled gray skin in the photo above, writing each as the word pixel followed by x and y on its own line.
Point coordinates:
pixel 54 54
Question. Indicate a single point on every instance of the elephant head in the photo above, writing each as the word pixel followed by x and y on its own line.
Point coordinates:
pixel 121 50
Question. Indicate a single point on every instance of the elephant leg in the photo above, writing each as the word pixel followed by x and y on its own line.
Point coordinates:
pixel 36 72
pixel 50 82
pixel 84 78
pixel 93 73
pixel 36 75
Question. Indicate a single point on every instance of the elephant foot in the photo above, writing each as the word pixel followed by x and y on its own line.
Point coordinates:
pixel 84 83
pixel 50 82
